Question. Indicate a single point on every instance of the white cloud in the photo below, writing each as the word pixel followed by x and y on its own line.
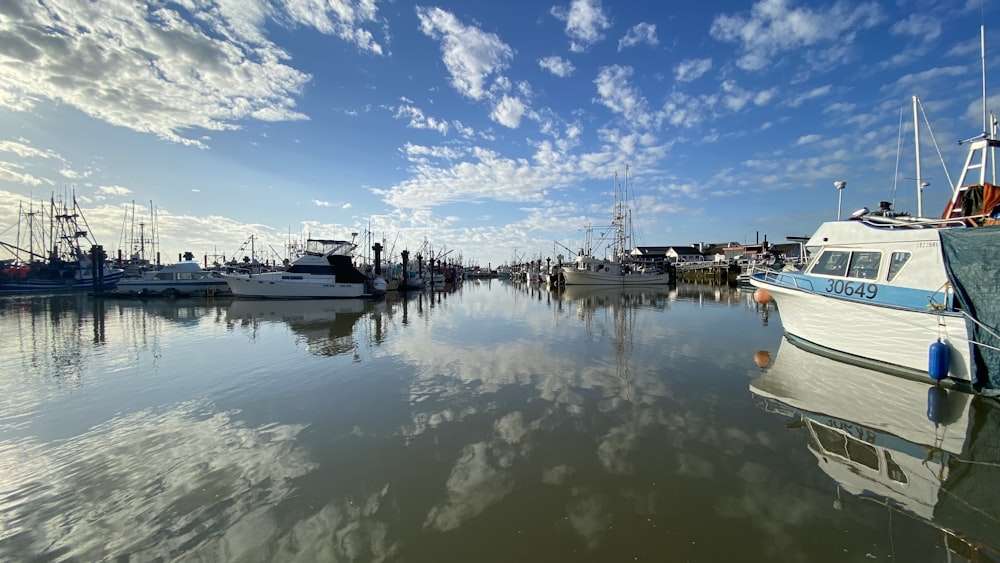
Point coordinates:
pixel 773 28
pixel 23 150
pixel 508 112
pixel 152 69
pixel 807 139
pixel 346 206
pixel 921 26
pixel 470 54
pixel 419 152
pixel 114 190
pixel 909 81
pixel 764 97
pixel 319 203
pixel 817 92
pixel 640 33
pixel 585 22
pixel 691 69
pixel 557 66
pixel 10 172
pixel 341 18
pixel 616 94
pixel 419 121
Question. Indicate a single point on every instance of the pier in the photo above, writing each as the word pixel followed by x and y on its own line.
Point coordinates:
pixel 707 272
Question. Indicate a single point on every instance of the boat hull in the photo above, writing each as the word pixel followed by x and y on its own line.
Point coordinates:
pixel 888 339
pixel 83 282
pixel 584 277
pixel 272 286
pixel 173 288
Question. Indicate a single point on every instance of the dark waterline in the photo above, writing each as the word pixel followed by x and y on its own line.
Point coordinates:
pixel 491 423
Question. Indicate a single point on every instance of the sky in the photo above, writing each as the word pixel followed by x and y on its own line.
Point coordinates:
pixel 490 132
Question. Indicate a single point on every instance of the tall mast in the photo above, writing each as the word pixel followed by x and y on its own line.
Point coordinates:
pixel 982 55
pixel 916 142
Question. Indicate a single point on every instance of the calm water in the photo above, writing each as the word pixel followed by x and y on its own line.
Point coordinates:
pixel 492 423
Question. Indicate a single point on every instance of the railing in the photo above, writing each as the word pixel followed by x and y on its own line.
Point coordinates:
pixel 788 279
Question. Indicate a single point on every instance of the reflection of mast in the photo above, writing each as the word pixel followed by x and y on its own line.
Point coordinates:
pixel 624 319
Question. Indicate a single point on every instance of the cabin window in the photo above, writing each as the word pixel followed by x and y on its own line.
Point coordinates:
pixel 185 276
pixel 896 262
pixel 864 265
pixel 895 472
pixel 832 263
pixel 846 446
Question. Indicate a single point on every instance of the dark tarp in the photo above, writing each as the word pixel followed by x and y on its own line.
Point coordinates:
pixel 972 260
pixel 969 500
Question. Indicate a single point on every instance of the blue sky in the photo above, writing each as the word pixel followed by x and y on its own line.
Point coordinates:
pixel 493 130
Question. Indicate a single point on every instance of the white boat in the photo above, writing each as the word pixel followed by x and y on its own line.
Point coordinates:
pixel 618 268
pixel 922 450
pixel 183 279
pixel 324 271
pixel 907 295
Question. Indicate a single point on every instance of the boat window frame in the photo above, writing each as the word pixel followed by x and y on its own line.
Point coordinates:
pixel 857 270
pixel 848 270
pixel 822 268
pixel 890 275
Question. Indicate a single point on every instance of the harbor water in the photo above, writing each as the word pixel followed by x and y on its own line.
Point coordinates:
pixel 492 422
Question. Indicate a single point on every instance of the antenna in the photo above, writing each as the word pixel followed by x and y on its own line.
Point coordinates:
pixel 982 52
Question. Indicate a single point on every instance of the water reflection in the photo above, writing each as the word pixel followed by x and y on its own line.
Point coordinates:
pixel 924 451
pixel 489 423
pixel 183 481
pixel 325 325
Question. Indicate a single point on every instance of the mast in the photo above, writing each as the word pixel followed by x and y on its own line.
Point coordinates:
pixel 916 142
pixel 982 56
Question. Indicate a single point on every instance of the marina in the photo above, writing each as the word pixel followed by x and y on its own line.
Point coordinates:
pixel 467 293
pixel 488 421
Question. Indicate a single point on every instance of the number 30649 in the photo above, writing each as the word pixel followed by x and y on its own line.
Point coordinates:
pixel 852 289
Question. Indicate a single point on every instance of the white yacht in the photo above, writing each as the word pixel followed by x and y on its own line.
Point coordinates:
pixel 324 271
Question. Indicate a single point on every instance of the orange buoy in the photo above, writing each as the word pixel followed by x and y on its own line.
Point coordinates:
pixel 762 296
pixel 762 358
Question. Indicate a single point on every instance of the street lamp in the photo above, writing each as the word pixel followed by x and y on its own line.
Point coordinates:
pixel 840 185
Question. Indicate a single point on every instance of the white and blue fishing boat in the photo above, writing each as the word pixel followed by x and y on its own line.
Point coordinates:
pixel 914 296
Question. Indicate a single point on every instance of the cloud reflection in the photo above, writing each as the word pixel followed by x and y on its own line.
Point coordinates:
pixel 474 485
pixel 149 485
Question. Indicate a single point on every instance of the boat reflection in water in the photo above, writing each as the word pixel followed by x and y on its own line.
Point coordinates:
pixel 930 453
pixel 327 325
pixel 605 296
